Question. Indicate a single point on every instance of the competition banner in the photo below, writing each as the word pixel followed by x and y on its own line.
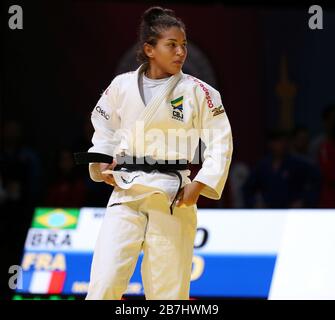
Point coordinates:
pixel 235 252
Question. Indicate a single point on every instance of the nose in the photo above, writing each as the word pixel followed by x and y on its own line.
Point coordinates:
pixel 181 51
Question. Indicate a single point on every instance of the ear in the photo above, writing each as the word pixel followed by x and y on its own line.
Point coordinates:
pixel 148 50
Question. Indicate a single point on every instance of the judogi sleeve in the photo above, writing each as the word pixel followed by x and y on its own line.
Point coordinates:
pixel 105 122
pixel 215 132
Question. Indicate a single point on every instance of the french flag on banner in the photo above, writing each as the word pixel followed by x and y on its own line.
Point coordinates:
pixel 47 282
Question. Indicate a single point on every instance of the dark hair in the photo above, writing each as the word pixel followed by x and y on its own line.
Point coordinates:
pixel 154 20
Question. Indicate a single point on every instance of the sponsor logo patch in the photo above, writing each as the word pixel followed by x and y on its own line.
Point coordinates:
pixel 102 112
pixel 205 90
pixel 218 110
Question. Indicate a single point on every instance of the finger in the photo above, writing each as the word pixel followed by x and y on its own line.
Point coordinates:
pixel 107 172
pixel 107 166
pixel 114 164
pixel 111 166
pixel 180 204
pixel 109 180
pixel 103 166
pixel 110 183
pixel 180 195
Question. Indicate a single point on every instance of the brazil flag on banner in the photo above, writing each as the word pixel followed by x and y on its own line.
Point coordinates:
pixel 54 218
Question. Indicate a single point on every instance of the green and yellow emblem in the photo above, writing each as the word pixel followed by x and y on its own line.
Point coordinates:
pixel 177 103
pixel 177 112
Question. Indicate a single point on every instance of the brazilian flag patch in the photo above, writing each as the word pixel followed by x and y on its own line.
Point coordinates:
pixel 177 105
pixel 54 218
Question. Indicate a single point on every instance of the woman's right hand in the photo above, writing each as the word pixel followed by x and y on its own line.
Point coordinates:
pixel 107 177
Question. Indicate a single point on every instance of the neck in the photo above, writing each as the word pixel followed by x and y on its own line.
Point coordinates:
pixel 153 72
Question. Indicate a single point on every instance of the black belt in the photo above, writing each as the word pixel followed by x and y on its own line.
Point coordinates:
pixel 90 157
pixel 146 164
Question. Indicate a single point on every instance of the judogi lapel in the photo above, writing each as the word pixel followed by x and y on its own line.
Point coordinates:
pixel 152 108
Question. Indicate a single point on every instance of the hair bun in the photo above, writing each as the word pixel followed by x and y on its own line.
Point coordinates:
pixel 154 12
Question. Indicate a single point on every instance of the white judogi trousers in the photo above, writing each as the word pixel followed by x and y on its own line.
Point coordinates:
pixel 166 240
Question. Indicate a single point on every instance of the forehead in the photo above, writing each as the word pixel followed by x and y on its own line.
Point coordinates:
pixel 173 33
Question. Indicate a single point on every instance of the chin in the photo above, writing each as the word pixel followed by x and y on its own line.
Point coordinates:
pixel 176 69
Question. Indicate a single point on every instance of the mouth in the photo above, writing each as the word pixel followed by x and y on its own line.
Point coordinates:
pixel 178 62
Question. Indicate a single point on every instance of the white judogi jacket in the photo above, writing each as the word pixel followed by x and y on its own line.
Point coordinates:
pixel 169 127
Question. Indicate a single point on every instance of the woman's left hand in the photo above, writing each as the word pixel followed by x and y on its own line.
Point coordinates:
pixel 188 196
